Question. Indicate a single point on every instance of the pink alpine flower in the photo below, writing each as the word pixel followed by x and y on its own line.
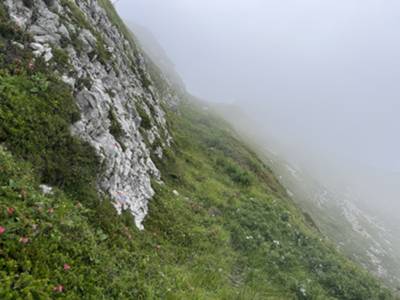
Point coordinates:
pixel 10 211
pixel 67 267
pixel 58 288
pixel 2 230
pixel 24 240
pixel 31 65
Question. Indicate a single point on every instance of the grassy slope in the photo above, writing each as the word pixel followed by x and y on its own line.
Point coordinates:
pixel 231 233
pixel 218 239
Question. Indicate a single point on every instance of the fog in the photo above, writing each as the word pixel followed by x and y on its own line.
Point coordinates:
pixel 321 79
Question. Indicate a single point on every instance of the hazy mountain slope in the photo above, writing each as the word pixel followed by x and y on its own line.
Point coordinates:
pixel 156 53
pixel 359 233
pixel 81 110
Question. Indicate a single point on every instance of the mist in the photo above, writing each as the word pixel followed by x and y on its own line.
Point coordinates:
pixel 318 79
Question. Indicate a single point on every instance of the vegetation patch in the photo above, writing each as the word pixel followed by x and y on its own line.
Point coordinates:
pixel 35 115
pixel 60 60
pixel 76 14
pixel 77 43
pixel 145 119
pixel 144 79
pixel 36 111
pixel 103 54
pixel 237 174
pixel 116 128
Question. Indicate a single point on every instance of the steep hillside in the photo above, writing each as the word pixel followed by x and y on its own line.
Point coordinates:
pixel 358 233
pixel 90 133
pixel 363 235
pixel 220 227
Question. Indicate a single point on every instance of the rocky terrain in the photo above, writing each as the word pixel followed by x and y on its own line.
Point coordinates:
pixel 112 88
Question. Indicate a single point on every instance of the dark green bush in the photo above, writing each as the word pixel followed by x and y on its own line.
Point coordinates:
pixel 144 79
pixel 116 128
pixel 145 119
pixel 36 112
pixel 61 60
pixel 235 172
pixel 103 54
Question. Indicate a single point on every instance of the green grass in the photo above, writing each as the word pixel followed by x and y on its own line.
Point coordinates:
pixel 272 248
pixel 231 233
pixel 145 122
pixel 36 111
pixel 115 128
pixel 216 240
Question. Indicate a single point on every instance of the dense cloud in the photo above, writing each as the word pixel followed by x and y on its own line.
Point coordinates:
pixel 321 77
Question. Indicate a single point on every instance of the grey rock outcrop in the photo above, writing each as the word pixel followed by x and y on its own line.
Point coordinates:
pixel 112 88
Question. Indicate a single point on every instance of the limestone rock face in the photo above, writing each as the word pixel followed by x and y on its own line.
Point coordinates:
pixel 121 112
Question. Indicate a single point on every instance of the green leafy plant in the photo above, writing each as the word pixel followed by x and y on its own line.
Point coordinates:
pixel 145 119
pixel 35 114
pixel 116 128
